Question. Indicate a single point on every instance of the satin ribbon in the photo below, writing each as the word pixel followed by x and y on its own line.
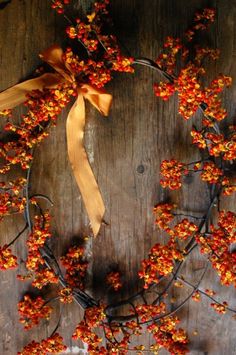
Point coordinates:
pixel 75 124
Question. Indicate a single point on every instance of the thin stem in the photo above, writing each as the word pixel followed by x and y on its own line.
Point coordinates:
pixel 205 294
pixel 204 222
pixel 186 299
pixel 188 249
pixel 81 42
pixel 169 283
pixel 42 197
pixel 135 312
pixel 143 351
pixel 99 40
pixel 58 322
pixel 18 235
pixel 127 318
pixel 187 215
pixel 196 162
pixel 67 19
pixel 50 300
pixel 105 335
pixel 151 64
pixel 191 249
pixel 27 207
pixel 80 297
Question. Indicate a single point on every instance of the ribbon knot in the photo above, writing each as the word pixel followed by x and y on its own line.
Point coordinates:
pixel 75 124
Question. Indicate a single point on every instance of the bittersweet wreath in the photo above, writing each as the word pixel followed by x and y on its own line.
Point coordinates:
pixel 80 74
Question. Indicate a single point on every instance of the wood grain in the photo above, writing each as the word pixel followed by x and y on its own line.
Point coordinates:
pixel 125 152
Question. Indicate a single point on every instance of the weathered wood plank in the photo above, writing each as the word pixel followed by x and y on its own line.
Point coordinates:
pixel 125 152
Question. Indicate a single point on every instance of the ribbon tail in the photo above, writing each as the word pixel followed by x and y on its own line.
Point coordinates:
pixel 16 94
pixel 80 164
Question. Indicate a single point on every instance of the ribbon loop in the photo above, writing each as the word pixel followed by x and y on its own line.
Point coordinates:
pixel 16 94
pixel 54 57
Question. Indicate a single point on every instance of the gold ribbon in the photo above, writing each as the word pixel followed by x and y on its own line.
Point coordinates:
pixel 75 123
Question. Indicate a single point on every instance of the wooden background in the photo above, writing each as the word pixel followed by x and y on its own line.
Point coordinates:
pixel 125 152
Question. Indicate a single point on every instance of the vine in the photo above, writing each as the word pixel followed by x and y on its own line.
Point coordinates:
pixel 96 57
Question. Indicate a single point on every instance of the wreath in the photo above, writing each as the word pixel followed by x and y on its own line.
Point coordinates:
pixel 80 72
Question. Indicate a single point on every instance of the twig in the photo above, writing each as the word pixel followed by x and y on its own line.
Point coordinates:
pixel 187 215
pixel 185 300
pixel 18 235
pixel 27 207
pixel 80 297
pixel 43 197
pixel 151 64
pixel 205 294
pixel 58 322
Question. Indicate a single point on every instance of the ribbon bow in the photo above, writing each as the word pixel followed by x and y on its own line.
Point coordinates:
pixel 75 123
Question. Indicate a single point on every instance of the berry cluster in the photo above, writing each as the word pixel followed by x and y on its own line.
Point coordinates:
pixel 211 173
pixel 51 345
pixel 220 308
pixel 11 197
pixel 147 312
pixel 168 336
pixel 217 245
pixel 218 144
pixel 66 295
pixel 160 261
pixel 113 279
pixel 164 215
pixel 32 310
pixel 191 92
pixel 35 263
pixel 93 318
pixel 196 296
pixel 76 266
pixel 172 171
pixel 40 233
pixel 7 259
pixel 58 5
pixel 185 229
pixel 43 277
pixel 89 33
pixel 43 110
